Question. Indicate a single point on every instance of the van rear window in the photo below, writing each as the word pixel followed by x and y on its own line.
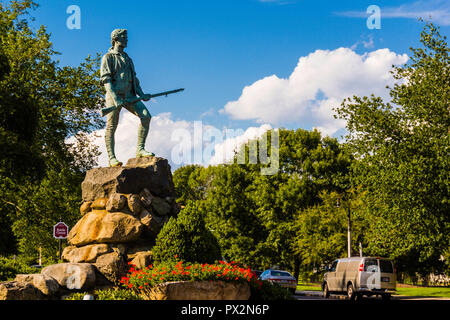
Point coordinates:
pixel 371 265
pixel 386 266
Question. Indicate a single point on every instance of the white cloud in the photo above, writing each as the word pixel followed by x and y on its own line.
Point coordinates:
pixel 158 141
pixel 369 44
pixel 438 10
pixel 181 142
pixel 319 82
pixel 208 113
pixel 224 152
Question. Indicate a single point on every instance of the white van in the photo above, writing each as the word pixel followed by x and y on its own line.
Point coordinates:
pixel 358 276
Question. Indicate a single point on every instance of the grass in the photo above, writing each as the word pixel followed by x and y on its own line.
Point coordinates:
pixel 309 287
pixel 424 291
pixel 443 292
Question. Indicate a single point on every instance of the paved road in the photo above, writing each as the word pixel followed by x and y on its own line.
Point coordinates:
pixel 300 297
pixel 314 295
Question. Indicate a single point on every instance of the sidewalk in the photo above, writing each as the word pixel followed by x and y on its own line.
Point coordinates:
pixel 318 294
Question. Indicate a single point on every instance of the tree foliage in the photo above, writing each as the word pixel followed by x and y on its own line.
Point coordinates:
pixel 309 165
pixel 188 186
pixel 41 106
pixel 253 215
pixel 321 231
pixel 402 152
pixel 391 176
pixel 186 238
pixel 10 267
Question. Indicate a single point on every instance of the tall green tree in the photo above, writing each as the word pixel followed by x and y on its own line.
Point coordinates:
pixel 41 106
pixel 253 215
pixel 402 148
pixel 188 184
pixel 309 164
pixel 321 231
pixel 229 213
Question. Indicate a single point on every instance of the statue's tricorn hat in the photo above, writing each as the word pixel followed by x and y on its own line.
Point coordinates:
pixel 117 33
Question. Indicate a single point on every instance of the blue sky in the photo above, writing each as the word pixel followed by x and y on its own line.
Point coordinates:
pixel 215 49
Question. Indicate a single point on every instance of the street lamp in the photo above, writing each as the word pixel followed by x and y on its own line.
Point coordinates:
pixel 349 233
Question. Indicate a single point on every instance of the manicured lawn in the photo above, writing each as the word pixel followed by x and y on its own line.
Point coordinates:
pixel 424 291
pixel 309 287
pixel 404 291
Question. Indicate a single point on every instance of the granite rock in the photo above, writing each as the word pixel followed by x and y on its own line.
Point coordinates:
pixel 88 253
pixel 153 173
pixel 100 226
pixel 73 276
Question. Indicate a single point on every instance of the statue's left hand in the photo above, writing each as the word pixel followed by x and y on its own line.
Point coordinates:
pixel 146 97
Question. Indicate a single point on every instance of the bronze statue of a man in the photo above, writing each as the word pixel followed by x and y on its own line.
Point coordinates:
pixel 119 78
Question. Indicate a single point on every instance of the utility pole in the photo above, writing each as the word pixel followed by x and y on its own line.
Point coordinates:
pixel 60 243
pixel 349 228
pixel 349 232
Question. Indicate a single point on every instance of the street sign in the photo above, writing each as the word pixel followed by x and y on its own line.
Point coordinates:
pixel 60 230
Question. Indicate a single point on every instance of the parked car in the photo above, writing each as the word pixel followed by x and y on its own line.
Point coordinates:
pixel 37 266
pixel 257 273
pixel 281 278
pixel 358 276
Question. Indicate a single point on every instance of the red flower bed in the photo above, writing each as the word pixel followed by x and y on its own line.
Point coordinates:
pixel 144 279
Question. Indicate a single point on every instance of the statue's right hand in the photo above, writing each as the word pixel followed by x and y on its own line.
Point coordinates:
pixel 118 101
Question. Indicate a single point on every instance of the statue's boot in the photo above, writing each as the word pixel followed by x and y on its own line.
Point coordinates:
pixel 109 138
pixel 113 162
pixel 142 136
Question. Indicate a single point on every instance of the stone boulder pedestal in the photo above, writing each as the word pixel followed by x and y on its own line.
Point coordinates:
pixel 101 226
pixel 47 285
pixel 112 266
pixel 88 253
pixel 153 173
pixel 200 290
pixel 20 290
pixel 123 210
pixel 72 276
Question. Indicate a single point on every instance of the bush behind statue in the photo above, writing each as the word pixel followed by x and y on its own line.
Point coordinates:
pixel 269 291
pixel 108 294
pixel 187 238
pixel 9 268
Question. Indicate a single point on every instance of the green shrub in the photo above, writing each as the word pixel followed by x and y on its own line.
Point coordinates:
pixel 76 296
pixel 187 238
pixel 109 294
pixel 9 268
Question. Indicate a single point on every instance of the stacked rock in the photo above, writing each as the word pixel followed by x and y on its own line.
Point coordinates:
pixel 123 210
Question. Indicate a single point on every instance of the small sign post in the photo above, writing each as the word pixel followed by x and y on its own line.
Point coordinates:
pixel 60 231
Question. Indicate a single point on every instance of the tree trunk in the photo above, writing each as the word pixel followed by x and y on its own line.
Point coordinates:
pixel 296 268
